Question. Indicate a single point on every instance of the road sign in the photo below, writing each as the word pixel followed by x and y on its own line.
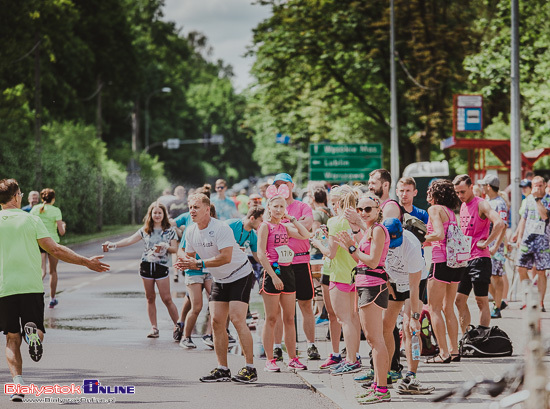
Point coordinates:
pixel 467 113
pixel 343 162
pixel 173 143
pixel 284 139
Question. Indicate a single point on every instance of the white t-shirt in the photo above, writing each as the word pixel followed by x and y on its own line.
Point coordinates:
pixel 208 242
pixel 405 259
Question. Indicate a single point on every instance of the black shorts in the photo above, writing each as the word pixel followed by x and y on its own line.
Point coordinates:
pixel 477 275
pixel 286 276
pixel 325 279
pixel 152 271
pixel 303 280
pixel 42 250
pixel 407 294
pixel 377 294
pixel 16 310
pixel 235 291
pixel 442 272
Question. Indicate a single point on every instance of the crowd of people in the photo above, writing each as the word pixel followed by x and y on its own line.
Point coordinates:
pixel 352 242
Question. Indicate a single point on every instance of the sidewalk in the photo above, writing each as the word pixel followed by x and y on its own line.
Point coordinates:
pixel 342 389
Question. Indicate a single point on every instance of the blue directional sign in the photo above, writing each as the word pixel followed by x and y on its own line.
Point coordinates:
pixel 284 139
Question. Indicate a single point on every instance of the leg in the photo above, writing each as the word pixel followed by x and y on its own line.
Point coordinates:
pixel 185 309
pixel 436 293
pixel 53 275
pixel 149 286
pixel 237 314
pixel 371 321
pixel 541 284
pixel 208 289
pixel 164 292
pixel 44 257
pixel 344 308
pixel 288 305
pixel 450 316
pixel 484 311
pixel 272 314
pixel 308 319
pixel 389 320
pixel 334 326
pixel 219 311
pixel 412 365
pixel 278 329
pixel 497 283
pixel 464 316
pixel 195 297
pixel 13 354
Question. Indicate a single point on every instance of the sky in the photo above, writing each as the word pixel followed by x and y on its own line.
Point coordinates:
pixel 228 26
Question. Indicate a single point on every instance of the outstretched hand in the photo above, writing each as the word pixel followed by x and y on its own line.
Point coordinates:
pixel 344 240
pixel 95 264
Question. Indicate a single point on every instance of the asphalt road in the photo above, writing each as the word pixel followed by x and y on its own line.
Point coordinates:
pixel 98 332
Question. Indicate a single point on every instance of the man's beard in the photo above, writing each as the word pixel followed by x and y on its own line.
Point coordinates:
pixel 378 192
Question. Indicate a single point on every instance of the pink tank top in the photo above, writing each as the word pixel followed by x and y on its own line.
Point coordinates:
pixel 474 226
pixel 362 280
pixel 276 236
pixel 439 248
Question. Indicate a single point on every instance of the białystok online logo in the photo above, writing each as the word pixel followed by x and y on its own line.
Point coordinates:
pixel 89 386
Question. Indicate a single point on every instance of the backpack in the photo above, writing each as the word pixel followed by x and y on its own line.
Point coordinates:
pixel 427 336
pixel 458 246
pixel 485 342
pixel 415 226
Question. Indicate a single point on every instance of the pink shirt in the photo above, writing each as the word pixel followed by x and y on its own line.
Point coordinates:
pixel 439 248
pixel 362 280
pixel 474 226
pixel 276 236
pixel 299 209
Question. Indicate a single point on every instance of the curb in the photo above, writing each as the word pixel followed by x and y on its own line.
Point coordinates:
pixel 316 386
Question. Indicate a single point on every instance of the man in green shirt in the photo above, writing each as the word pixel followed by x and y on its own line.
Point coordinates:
pixel 21 288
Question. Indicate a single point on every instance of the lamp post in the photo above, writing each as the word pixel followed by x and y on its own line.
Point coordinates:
pixel 164 89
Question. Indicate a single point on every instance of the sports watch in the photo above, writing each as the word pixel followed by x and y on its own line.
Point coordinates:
pixel 416 316
pixel 352 249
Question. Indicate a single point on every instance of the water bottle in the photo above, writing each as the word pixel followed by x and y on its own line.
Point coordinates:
pixel 415 346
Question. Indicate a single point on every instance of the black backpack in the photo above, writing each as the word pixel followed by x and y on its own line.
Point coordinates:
pixel 411 223
pixel 485 342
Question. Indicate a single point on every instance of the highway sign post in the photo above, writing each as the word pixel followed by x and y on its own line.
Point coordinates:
pixel 343 162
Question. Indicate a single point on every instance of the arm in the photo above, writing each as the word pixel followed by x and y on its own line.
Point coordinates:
pixel 173 246
pixel 519 231
pixel 354 220
pixel 255 256
pixel 498 227
pixel 543 211
pixel 189 262
pixel 372 260
pixel 61 227
pixel 414 282
pixel 296 229
pixel 67 255
pixel 133 239
pixel 306 221
pixel 439 232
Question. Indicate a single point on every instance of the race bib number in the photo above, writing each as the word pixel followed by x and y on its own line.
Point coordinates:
pixel 402 287
pixel 285 254
pixel 535 227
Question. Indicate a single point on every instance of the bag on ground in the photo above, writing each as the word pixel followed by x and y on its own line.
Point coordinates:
pixel 427 336
pixel 485 342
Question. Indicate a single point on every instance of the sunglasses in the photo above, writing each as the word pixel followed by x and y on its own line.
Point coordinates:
pixel 367 209
pixel 220 187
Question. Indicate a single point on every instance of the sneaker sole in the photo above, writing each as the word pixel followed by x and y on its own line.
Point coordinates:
pixel 215 380
pixel 344 373
pixel 272 370
pixel 243 381
pixel 35 345
pixel 188 347
pixel 374 401
pixel 17 398
pixel 408 392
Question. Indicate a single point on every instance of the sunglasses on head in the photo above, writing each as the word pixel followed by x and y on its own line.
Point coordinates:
pixel 366 209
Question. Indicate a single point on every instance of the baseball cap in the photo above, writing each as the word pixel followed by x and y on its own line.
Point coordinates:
pixel 284 177
pixel 254 196
pixel 395 229
pixel 491 180
pixel 525 183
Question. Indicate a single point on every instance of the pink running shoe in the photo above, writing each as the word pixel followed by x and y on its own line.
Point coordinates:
pixel 271 366
pixel 296 365
pixel 331 360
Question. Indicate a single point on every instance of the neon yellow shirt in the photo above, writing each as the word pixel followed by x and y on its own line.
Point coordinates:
pixel 20 261
pixel 50 217
pixel 342 264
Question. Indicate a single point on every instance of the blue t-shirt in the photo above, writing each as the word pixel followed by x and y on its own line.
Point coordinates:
pixel 27 208
pixel 183 219
pixel 225 209
pixel 246 239
pixel 420 214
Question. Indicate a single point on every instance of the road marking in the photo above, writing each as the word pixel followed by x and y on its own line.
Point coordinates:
pixel 101 276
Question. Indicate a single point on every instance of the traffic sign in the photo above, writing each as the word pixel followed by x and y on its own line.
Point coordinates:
pixel 343 162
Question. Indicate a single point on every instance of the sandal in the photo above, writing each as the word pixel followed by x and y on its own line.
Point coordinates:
pixel 154 333
pixel 438 359
pixel 455 357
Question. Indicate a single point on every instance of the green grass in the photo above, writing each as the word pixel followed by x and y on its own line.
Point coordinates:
pixel 73 238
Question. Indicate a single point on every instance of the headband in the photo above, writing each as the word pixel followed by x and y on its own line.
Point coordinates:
pixel 272 191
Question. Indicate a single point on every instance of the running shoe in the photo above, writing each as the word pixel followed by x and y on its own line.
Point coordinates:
pixel 365 377
pixel 343 352
pixel 495 313
pixel 395 375
pixel 32 338
pixel 412 386
pixel 278 354
pixel 208 340
pixel 154 333
pixel 321 321
pixel 347 368
pixel 230 338
pixel 178 332
pixel 375 397
pixel 296 365
pixel 187 343
pixel 271 366
pixel 331 361
pixel 313 353
pixel 17 397
pixel 246 375
pixel 503 305
pixel 368 385
pixel 365 394
pixel 53 302
pixel 217 375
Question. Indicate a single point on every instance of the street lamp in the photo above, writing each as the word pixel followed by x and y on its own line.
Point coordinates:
pixel 164 89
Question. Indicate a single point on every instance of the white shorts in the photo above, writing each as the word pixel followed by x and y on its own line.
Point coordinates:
pixel 197 279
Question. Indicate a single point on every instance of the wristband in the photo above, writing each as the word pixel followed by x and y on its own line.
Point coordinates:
pixel 203 266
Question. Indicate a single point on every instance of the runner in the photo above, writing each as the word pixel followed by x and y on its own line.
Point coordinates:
pixel 52 219
pixel 34 199
pixel 443 280
pixel 372 289
pixel 302 270
pixel 406 192
pixel 277 284
pixel 159 239
pixel 213 241
pixel 225 207
pixel 21 288
pixel 476 216
pixel 534 249
pixel 490 185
